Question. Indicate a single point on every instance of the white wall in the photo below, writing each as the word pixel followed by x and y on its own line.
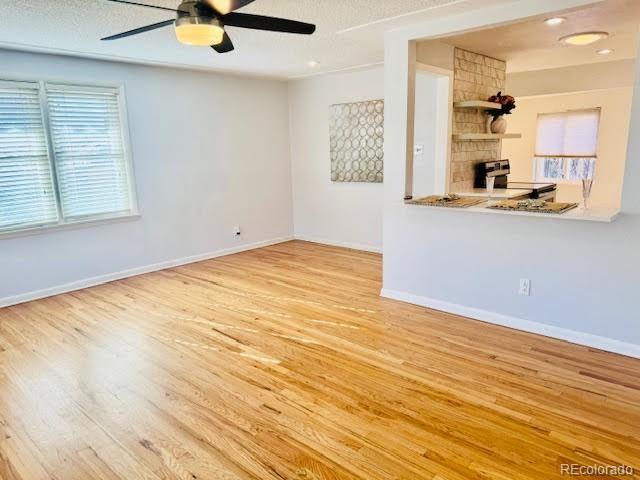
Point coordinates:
pixel 584 275
pixel 348 214
pixel 615 104
pixel 209 152
pixel 431 131
pixel 425 130
pixel 576 78
pixel 435 53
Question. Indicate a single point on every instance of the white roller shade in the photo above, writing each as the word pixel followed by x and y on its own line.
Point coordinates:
pixel 27 195
pixel 90 160
pixel 568 134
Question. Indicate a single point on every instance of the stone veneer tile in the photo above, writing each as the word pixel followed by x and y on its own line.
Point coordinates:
pixel 476 77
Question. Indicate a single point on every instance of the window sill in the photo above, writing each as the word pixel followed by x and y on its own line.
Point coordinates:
pixel 602 215
pixel 68 226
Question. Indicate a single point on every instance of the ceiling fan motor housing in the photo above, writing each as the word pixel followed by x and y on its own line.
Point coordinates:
pixel 195 9
pixel 189 20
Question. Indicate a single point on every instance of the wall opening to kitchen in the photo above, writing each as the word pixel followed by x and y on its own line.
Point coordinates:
pixel 537 110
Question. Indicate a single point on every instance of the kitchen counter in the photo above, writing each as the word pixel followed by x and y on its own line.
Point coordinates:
pixel 498 193
pixel 605 215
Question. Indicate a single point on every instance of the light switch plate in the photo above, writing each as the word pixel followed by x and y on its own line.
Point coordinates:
pixel 418 149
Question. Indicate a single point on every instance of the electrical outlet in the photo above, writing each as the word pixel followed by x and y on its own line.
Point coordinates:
pixel 237 231
pixel 525 287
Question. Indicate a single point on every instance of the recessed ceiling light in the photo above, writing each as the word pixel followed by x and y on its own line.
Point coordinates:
pixel 583 38
pixel 313 63
pixel 555 21
pixel 605 51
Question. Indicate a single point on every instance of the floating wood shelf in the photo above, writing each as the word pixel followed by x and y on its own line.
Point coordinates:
pixel 486 136
pixel 479 104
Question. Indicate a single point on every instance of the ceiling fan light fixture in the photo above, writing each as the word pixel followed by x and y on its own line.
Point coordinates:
pixel 202 23
pixel 199 31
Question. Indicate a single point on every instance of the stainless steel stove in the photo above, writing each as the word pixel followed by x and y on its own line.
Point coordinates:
pixel 500 169
pixel 543 191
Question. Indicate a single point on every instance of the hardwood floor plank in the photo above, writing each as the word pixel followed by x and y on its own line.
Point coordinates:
pixel 285 363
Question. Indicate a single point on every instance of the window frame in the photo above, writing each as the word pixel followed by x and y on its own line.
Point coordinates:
pixel 62 223
pixel 565 158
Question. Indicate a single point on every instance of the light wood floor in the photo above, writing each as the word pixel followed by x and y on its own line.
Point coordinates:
pixel 284 363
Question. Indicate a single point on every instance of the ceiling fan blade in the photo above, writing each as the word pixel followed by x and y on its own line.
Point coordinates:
pixel 273 24
pixel 136 31
pixel 227 6
pixel 127 2
pixel 225 46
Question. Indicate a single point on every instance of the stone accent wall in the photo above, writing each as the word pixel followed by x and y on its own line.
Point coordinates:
pixel 476 77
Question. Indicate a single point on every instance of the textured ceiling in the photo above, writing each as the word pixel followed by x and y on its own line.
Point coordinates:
pixel 532 45
pixel 349 33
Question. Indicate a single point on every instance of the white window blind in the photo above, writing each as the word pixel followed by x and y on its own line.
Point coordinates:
pixel 566 145
pixel 63 155
pixel 27 195
pixel 90 161
pixel 568 134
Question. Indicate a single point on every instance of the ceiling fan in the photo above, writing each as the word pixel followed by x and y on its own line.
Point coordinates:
pixel 202 22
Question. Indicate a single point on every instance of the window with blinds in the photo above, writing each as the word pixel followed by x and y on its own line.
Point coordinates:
pixel 87 146
pixel 566 146
pixel 63 157
pixel 26 184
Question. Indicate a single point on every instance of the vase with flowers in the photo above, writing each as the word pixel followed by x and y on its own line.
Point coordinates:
pixel 507 103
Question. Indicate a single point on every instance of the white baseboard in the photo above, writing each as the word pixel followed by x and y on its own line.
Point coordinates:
pixel 580 338
pixel 110 277
pixel 334 243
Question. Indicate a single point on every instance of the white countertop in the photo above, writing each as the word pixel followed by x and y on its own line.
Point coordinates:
pixel 590 215
pixel 498 193
pixel 606 215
